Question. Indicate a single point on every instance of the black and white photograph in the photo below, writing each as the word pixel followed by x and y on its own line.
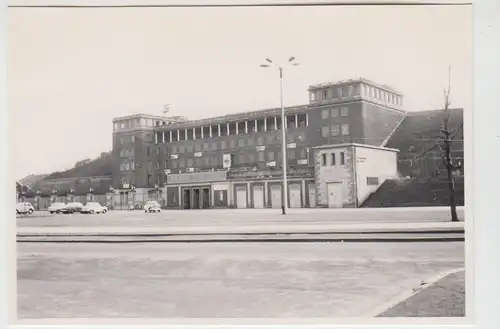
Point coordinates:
pixel 241 162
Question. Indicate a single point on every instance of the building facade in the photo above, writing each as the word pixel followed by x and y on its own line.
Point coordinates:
pixel 235 160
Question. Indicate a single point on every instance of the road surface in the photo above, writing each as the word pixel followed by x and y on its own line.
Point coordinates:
pixel 222 280
pixel 249 217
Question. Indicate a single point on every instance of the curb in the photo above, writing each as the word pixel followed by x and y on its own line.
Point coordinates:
pixel 410 293
pixel 244 238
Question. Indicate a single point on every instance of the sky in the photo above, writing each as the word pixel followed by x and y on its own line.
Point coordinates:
pixel 71 71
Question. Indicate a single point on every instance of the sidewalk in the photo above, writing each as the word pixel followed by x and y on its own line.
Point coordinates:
pixel 445 298
pixel 332 228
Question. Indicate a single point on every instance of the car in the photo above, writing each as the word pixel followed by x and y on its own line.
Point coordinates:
pixel 94 207
pixel 152 206
pixel 73 207
pixel 57 207
pixel 24 208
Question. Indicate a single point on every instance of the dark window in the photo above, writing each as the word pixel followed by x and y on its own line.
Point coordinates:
pixel 215 131
pixel 251 126
pixel 214 146
pixel 302 119
pixel 206 132
pixel 241 142
pixel 342 158
pixel 148 151
pixel 290 121
pixel 174 136
pixel 372 180
pixel 260 125
pixel 333 159
pixel 241 128
pixel 270 156
pixel 270 124
pixel 223 129
pixel 232 128
pixel 278 123
pixel 291 154
pixel 190 134
pixel 323 158
pixel 197 133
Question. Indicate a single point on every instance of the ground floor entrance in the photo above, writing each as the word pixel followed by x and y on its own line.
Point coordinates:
pixel 196 197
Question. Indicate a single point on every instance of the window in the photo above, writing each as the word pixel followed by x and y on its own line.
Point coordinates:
pixel 345 91
pixel 290 154
pixel 206 161
pixel 241 143
pixel 189 163
pixel 182 163
pixel 232 144
pixel 158 165
pixel 260 140
pixel 206 146
pixel 325 131
pixel 251 158
pixel 371 180
pixel 157 151
pixel 214 146
pixel 302 153
pixel 197 147
pixel 270 124
pixel 270 156
pixel 197 162
pixel 335 112
pixel 260 156
pixel 344 111
pixel 324 114
pixel 174 149
pixel 324 95
pixel 335 130
pixel 122 126
pixel 345 129
pixel 175 164
pixel 223 145
pixel 270 139
pixel 250 141
pixel 342 158
pixel 333 159
pixel 323 159
pixel 148 151
pixel 132 139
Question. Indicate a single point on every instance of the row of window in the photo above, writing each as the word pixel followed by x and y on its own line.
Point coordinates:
pixel 338 92
pixel 199 146
pixel 335 92
pixel 335 130
pixel 244 127
pixel 335 112
pixel 331 159
pixel 135 123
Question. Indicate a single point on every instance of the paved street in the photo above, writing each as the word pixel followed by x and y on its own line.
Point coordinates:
pixel 222 279
pixel 237 217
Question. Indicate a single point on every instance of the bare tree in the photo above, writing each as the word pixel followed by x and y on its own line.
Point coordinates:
pixel 445 147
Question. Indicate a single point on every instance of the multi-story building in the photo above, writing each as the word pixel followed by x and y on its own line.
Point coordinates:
pixel 235 160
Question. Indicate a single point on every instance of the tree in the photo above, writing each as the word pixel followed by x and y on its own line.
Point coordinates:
pixel 445 147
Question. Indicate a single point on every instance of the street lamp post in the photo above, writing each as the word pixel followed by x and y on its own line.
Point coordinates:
pixel 284 188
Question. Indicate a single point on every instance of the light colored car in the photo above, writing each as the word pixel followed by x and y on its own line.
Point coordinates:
pixel 57 207
pixel 72 207
pixel 94 207
pixel 152 206
pixel 24 208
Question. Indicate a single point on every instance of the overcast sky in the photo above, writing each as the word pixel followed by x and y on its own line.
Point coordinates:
pixel 70 71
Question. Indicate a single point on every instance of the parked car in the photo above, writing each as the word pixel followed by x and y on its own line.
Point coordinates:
pixel 24 208
pixel 57 207
pixel 94 207
pixel 152 206
pixel 73 207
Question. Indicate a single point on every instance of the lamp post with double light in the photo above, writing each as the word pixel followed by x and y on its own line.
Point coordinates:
pixel 284 189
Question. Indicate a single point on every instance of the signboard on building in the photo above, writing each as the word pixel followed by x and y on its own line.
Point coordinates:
pixel 226 160
pixel 261 148
pixel 302 161
pixel 199 177
pixel 174 156
pixel 221 187
pixel 291 145
pixel 198 154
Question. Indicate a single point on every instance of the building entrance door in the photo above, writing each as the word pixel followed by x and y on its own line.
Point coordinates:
pixel 258 196
pixel 276 196
pixel 295 201
pixel 241 197
pixel 334 195
pixel 312 196
pixel 186 199
pixel 205 199
pixel 196 198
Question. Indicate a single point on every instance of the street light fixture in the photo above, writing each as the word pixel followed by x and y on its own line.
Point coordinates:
pixel 284 188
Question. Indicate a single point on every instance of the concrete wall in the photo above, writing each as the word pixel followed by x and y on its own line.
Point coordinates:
pixel 378 122
pixel 373 163
pixel 335 173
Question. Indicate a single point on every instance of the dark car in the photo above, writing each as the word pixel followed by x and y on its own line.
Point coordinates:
pixel 73 207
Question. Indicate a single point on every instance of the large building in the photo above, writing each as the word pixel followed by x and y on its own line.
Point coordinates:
pixel 235 160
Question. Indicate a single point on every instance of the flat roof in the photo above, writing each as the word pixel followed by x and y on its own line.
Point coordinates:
pixel 355 80
pixel 140 115
pixel 259 114
pixel 330 146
